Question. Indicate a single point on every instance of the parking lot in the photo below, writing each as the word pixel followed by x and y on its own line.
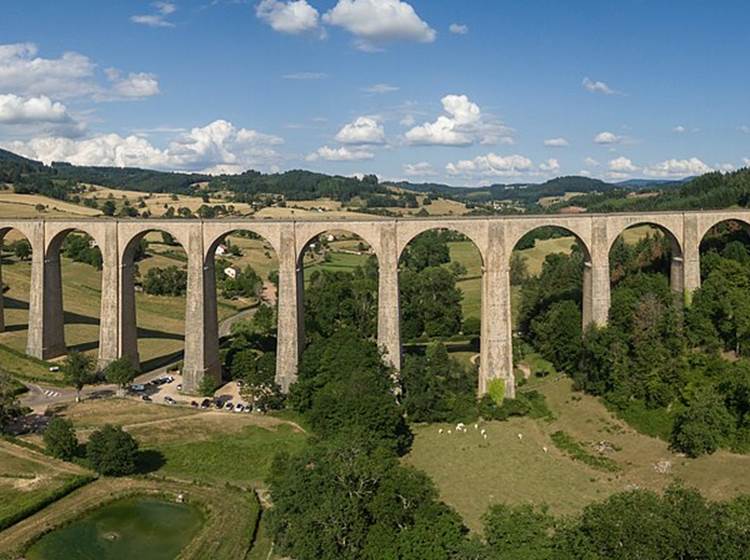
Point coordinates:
pixel 167 389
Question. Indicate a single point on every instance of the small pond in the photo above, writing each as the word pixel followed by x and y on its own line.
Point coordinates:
pixel 140 528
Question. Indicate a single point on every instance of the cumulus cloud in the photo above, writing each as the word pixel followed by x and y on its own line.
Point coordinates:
pixel 293 16
pixel 679 129
pixel 595 86
pixel 421 169
pixel 607 138
pixel 375 22
pixel 363 130
pixel 550 165
pixel 746 161
pixel 556 142
pixel 159 17
pixel 678 168
pixel 491 165
pixel 70 76
pixel 463 125
pixel 217 144
pixel 24 73
pixel 380 88
pixel 458 29
pixel 25 110
pixel 340 154
pixel 136 85
pixel 622 165
pixel 591 162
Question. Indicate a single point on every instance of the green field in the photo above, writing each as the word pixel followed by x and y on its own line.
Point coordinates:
pixel 29 480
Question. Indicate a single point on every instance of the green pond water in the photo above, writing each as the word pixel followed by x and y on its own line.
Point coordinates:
pixel 128 529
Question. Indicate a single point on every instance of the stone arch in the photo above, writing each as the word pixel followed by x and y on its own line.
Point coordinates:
pixel 57 233
pixel 128 329
pixel 670 226
pixel 713 221
pixel 578 228
pixel 474 230
pixel 14 303
pixel 307 232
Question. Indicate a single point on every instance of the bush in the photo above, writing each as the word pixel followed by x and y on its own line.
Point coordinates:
pixel 60 439
pixel 112 451
pixel 703 427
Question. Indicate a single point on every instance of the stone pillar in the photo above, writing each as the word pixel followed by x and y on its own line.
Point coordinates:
pixel 596 280
pixel 496 350
pixel 109 314
pixel 127 330
pixel 46 337
pixel 389 328
pixel 691 262
pixel 201 327
pixel 290 313
pixel 2 303
pixel 677 274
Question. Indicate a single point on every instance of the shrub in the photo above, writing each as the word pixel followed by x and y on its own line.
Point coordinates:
pixel 60 439
pixel 703 426
pixel 112 451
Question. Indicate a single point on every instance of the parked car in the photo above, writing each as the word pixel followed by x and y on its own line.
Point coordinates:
pixel 169 400
pixel 229 405
pixel 137 387
pixel 146 398
pixel 239 407
pixel 54 368
pixel 194 404
pixel 179 387
pixel 205 403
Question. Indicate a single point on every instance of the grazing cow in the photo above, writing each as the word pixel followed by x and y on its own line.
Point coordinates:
pixel 545 449
pixel 440 431
pixel 520 437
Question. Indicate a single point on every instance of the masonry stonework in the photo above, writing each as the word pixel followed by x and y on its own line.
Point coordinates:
pixel 495 237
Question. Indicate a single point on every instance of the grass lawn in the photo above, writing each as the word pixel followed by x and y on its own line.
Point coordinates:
pixel 472 474
pixel 29 479
pixel 25 367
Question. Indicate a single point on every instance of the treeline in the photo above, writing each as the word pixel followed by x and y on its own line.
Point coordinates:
pixel 681 374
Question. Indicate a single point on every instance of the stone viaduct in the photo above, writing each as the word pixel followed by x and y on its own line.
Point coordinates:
pixel 494 237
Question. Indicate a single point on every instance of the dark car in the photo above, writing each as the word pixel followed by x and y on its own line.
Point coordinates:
pixel 146 398
pixel 169 400
pixel 205 403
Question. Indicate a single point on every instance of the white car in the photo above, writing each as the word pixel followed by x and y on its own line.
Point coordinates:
pixel 137 387
pixel 239 407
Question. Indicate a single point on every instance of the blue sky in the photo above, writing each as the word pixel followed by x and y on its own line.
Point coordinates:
pixel 463 92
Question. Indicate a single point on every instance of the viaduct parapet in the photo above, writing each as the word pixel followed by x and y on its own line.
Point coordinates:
pixel 495 238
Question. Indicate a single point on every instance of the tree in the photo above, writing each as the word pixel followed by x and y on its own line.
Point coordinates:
pixel 120 372
pixel 60 439
pixel 78 371
pixel 22 249
pixel 169 281
pixel 10 408
pixel 112 451
pixel 519 532
pixel 704 426
pixel 263 320
pixel 109 208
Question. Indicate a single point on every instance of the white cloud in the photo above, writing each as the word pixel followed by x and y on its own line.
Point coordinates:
pixel 70 76
pixel 23 73
pixel 30 110
pixel 679 129
pixel 408 120
pixel 380 88
pixel 340 154
pixel 364 130
pixel 678 168
pixel 293 16
pixel 305 76
pixel 622 165
pixel 462 126
pixel 421 169
pixel 556 142
pixel 746 161
pixel 458 29
pixel 491 165
pixel 607 138
pixel 158 19
pixel 597 87
pixel 550 165
pixel 591 162
pixel 744 128
pixel 219 143
pixel 375 22
pixel 136 85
